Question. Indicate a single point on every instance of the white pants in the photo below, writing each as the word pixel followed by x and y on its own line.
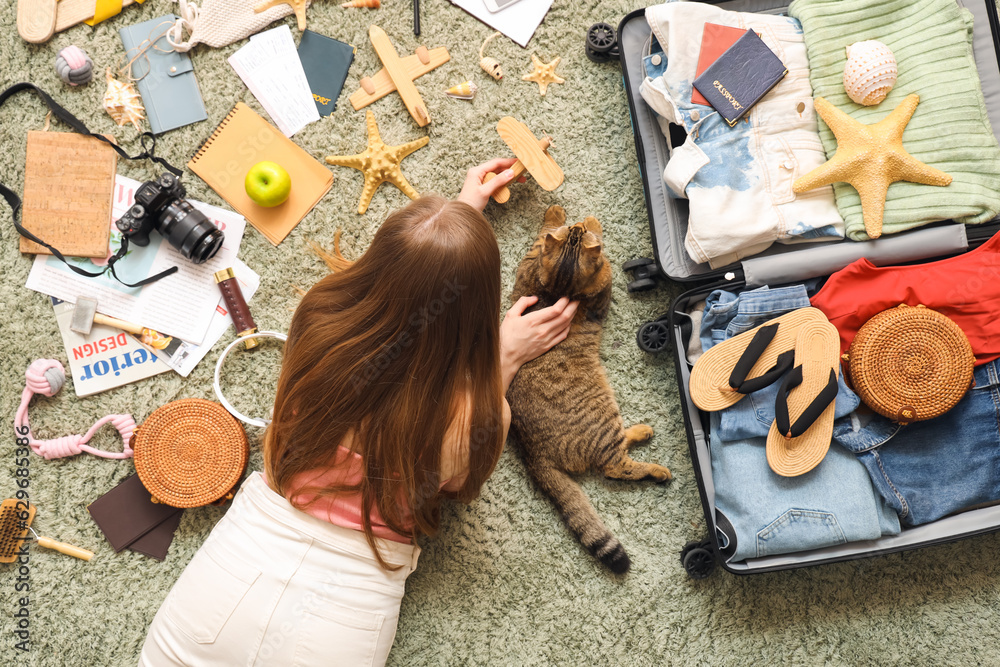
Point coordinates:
pixel 274 586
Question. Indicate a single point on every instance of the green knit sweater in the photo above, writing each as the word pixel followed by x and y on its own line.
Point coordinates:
pixel 950 130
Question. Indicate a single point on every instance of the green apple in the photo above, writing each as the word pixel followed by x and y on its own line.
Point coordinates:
pixel 268 184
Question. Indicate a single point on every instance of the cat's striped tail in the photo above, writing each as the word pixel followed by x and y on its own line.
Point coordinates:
pixel 581 517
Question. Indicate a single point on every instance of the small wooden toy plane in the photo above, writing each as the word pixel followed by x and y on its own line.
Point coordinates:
pixel 38 20
pixel 398 74
pixel 532 156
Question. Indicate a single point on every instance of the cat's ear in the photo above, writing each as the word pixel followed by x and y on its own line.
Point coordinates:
pixel 555 217
pixel 550 243
pixel 592 248
pixel 591 224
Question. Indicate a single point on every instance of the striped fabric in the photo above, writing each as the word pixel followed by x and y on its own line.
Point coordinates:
pixel 932 41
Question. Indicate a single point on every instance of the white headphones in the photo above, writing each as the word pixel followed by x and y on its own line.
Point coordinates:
pixel 218 373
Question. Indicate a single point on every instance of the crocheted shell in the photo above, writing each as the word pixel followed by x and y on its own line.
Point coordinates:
pixel 870 72
pixel 74 66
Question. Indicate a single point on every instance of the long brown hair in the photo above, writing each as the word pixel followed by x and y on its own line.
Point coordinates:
pixel 378 356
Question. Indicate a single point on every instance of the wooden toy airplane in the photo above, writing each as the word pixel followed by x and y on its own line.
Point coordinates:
pixel 532 155
pixel 38 20
pixel 398 74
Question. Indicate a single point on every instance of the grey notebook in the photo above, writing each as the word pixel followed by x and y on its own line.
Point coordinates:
pixel 166 78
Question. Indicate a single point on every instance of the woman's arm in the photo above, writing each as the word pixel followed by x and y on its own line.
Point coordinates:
pixel 524 337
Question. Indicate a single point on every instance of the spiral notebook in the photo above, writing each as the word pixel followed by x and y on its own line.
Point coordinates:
pixel 242 140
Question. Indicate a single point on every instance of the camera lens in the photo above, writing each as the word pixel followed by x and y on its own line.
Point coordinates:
pixel 188 230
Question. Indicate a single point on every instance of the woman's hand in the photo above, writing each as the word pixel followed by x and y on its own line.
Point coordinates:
pixel 475 193
pixel 524 337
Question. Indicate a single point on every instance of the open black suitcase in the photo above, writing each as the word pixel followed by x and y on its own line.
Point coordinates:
pixel 777 266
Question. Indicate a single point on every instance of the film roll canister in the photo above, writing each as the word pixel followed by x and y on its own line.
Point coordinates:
pixel 237 305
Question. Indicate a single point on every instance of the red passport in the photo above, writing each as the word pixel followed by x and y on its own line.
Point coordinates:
pixel 714 41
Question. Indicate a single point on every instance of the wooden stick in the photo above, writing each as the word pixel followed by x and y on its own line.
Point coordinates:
pixel 64 548
pixel 117 324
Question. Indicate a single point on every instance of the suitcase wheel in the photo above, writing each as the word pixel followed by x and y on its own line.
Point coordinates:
pixel 637 263
pixel 641 285
pixel 653 337
pixel 698 559
pixel 644 274
pixel 602 43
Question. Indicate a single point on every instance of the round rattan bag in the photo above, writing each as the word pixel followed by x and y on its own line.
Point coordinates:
pixel 190 453
pixel 910 363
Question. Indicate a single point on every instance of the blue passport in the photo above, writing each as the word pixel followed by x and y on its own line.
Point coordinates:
pixel 742 75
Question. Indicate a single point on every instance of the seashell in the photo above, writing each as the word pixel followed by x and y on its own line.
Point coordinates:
pixel 365 4
pixel 870 72
pixel 122 102
pixel 74 66
pixel 490 65
pixel 463 91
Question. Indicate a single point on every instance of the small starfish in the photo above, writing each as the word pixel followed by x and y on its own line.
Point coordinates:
pixel 544 73
pixel 379 163
pixel 870 158
pixel 298 6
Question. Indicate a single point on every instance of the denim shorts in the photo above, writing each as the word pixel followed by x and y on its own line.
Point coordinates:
pixel 930 469
pixel 760 513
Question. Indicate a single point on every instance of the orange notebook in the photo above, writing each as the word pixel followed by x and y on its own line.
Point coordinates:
pixel 242 140
pixel 715 39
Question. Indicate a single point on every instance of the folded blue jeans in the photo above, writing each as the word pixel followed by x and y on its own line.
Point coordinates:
pixel 930 469
pixel 759 512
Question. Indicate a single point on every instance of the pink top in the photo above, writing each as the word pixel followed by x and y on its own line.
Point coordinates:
pixel 344 510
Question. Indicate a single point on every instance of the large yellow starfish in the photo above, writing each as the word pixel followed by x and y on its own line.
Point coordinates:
pixel 298 6
pixel 544 73
pixel 379 163
pixel 870 158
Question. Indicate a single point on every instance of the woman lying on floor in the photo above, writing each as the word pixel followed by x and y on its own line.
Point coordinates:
pixel 390 399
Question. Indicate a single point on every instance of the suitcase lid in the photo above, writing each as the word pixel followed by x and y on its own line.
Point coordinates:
pixel 785 263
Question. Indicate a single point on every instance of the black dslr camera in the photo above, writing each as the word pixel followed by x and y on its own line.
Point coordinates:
pixel 160 205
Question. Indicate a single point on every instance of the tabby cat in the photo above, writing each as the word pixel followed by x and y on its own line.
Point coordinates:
pixel 564 412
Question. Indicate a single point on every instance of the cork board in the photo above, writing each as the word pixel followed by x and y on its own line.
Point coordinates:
pixel 69 180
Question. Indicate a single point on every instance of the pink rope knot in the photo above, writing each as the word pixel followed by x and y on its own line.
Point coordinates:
pixel 68 445
pixel 45 377
pixel 125 425
pixel 74 57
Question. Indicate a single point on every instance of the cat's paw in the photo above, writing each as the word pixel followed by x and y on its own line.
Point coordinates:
pixel 638 433
pixel 659 473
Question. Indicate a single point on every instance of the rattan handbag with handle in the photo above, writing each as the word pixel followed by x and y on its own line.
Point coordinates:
pixel 190 453
pixel 910 363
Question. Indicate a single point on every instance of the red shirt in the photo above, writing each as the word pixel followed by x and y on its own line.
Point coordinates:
pixel 965 288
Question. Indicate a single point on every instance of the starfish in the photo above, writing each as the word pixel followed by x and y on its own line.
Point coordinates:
pixel 870 158
pixel 298 6
pixel 544 73
pixel 379 163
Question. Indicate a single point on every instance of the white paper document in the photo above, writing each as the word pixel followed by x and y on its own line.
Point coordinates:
pixel 519 21
pixel 182 304
pixel 270 67
pixel 182 356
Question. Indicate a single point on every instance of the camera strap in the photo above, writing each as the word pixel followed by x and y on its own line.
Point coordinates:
pixel 77 126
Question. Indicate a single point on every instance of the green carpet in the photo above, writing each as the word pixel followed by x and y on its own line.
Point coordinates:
pixel 504 582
